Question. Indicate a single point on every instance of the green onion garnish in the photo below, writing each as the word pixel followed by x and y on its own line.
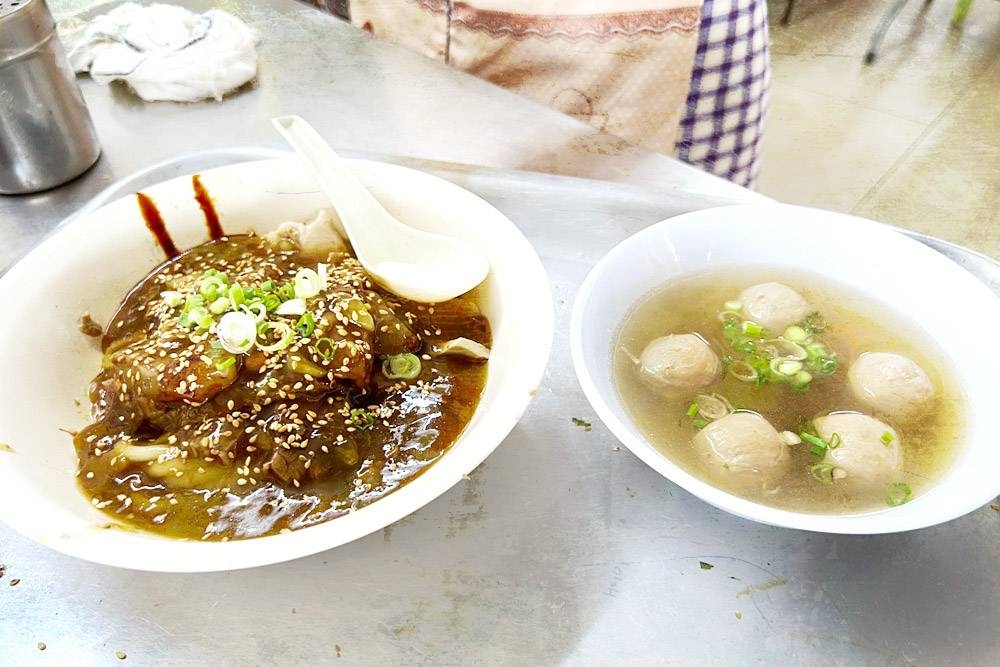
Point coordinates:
pixel 733 306
pixel 307 284
pixel 306 325
pixel 692 410
pixel 225 363
pixel 822 472
pixel 887 438
pixel 237 331
pixel 220 305
pixel 827 365
pixel 325 348
pixel 212 287
pixel 898 493
pixel 256 309
pixel 796 334
pixel 268 286
pixel 362 419
pixel 699 423
pixel 835 441
pixel 291 307
pixel 236 296
pixel 279 330
pixel 814 323
pixel 403 366
pixel 172 299
pixel 817 445
pixel 752 328
pixel 271 302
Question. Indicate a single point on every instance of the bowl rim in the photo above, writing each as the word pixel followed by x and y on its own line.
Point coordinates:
pixel 851 524
pixel 513 397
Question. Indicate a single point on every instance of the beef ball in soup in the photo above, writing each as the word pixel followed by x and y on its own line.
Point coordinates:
pixel 868 452
pixel 891 384
pixel 679 362
pixel 743 442
pixel 774 306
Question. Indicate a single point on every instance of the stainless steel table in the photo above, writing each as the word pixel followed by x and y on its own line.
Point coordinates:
pixel 597 562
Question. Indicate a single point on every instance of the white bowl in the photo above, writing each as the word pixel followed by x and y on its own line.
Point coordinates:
pixel 952 307
pixel 89 265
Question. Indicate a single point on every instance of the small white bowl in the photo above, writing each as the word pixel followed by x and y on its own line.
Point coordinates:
pixel 89 265
pixel 952 307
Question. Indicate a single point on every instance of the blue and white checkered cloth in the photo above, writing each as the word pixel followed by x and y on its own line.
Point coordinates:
pixel 727 104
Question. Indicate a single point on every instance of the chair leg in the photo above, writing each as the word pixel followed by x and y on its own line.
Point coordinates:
pixel 962 8
pixel 882 28
pixel 787 16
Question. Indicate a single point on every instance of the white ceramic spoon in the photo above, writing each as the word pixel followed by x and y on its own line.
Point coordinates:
pixel 411 263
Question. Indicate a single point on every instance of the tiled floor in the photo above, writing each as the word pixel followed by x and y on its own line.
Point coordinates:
pixel 913 139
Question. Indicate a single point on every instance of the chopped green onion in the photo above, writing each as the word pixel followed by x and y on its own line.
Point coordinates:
pixel 790 438
pixel 814 323
pixel 306 283
pixel 292 307
pixel 828 365
pixel 733 306
pixel 752 328
pixel 403 366
pixel 822 472
pixel 198 316
pixel 286 292
pixel 285 336
pixel 362 419
pixel 212 287
pixel 815 351
pixel 325 348
pixel 237 331
pixel 172 299
pixel 887 438
pixel 802 378
pixel 741 370
pixel 835 441
pixel 692 410
pixel 225 363
pixel 257 309
pixel 817 445
pixel 236 296
pixel 271 302
pixel 796 334
pixel 220 305
pixel 321 271
pixel 193 301
pixel 268 286
pixel 699 423
pixel 898 494
pixel 306 325
pixel 731 329
pixel 786 367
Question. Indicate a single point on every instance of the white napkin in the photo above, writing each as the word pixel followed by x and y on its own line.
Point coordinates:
pixel 164 52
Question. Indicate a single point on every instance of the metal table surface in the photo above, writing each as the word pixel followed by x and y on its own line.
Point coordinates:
pixel 561 548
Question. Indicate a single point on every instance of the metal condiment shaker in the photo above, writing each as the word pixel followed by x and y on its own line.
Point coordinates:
pixel 46 135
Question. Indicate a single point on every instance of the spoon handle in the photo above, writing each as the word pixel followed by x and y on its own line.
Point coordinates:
pixel 348 196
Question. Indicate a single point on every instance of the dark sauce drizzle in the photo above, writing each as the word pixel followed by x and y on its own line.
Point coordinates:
pixel 208 208
pixel 154 222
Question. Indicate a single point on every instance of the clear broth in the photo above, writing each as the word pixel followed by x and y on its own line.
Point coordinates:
pixel 855 325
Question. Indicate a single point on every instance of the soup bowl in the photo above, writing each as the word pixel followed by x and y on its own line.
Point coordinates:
pixel 946 302
pixel 91 262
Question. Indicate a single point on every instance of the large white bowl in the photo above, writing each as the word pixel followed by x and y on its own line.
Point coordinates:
pixel 88 265
pixel 954 309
